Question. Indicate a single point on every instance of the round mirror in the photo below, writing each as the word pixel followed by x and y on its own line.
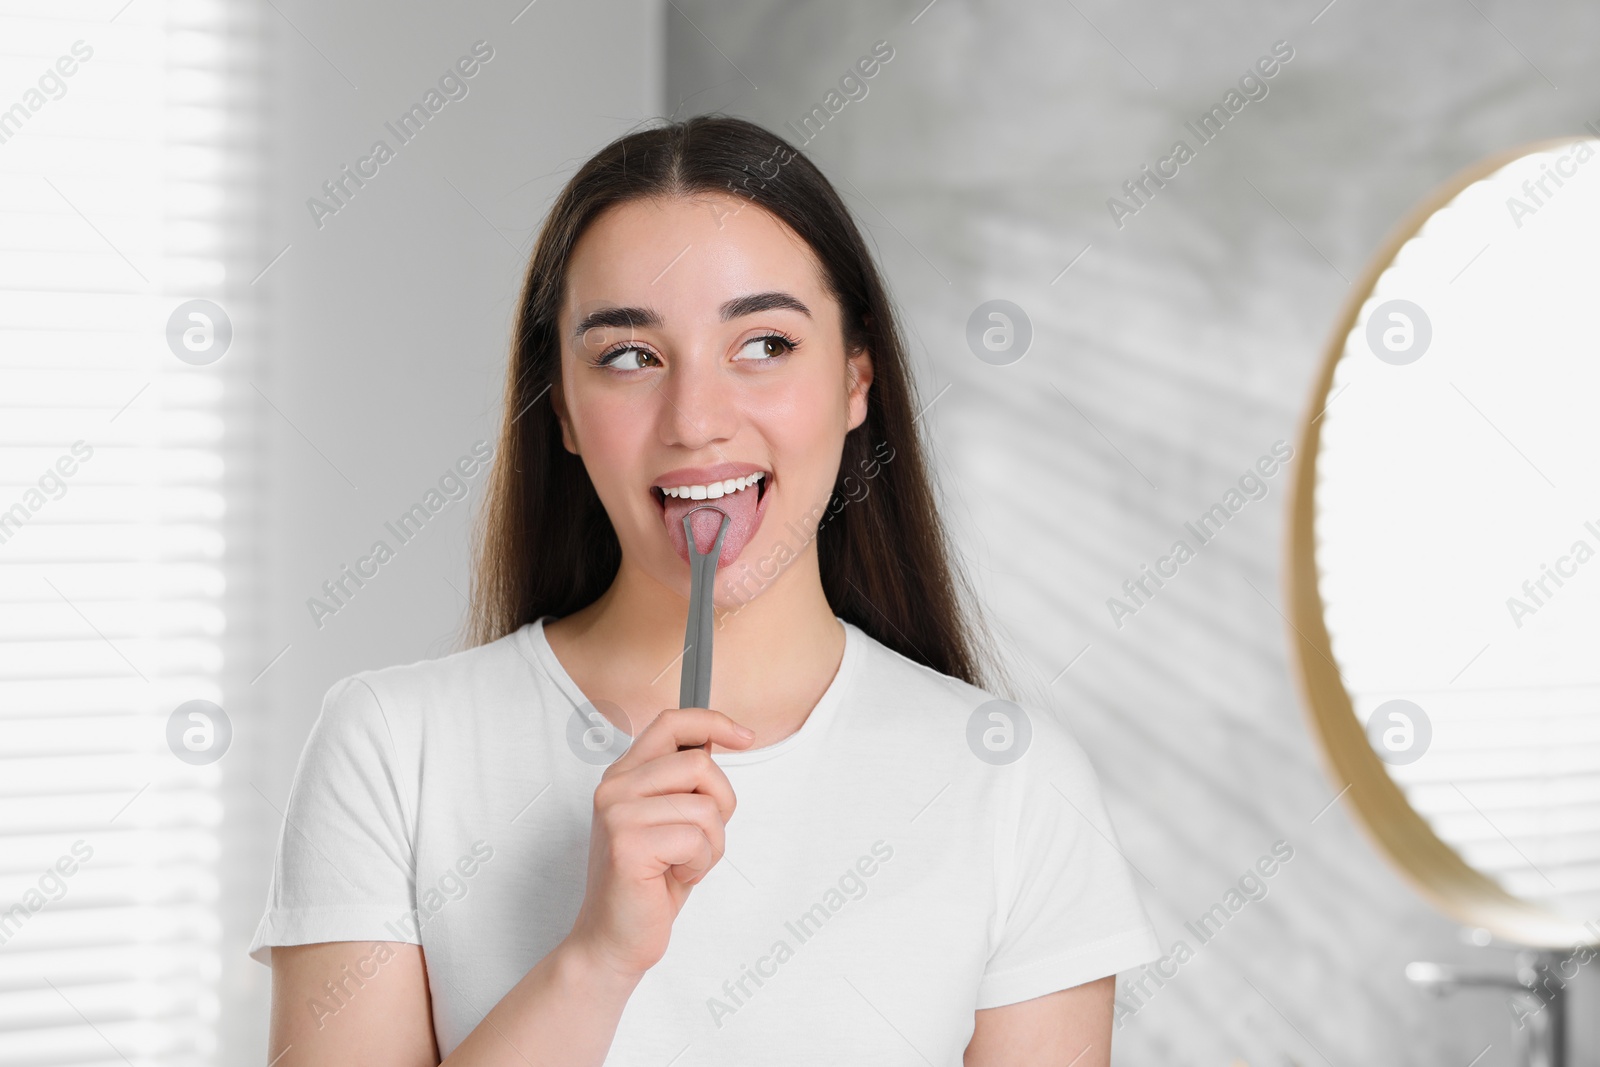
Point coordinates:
pixel 1443 577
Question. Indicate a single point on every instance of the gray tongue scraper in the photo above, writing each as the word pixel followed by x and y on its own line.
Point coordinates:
pixel 694 687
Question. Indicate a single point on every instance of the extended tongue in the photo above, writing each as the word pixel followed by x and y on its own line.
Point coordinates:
pixel 706 523
pixel 740 507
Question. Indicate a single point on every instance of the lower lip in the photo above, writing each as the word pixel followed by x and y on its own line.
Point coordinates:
pixel 734 541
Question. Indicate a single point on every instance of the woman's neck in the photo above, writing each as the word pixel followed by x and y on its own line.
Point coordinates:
pixel 775 654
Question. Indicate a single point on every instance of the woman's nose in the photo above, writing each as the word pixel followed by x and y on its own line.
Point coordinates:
pixel 698 402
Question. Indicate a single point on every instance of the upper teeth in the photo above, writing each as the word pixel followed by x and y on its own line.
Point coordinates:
pixel 715 489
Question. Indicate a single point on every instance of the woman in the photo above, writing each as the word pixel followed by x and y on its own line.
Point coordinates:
pixel 512 855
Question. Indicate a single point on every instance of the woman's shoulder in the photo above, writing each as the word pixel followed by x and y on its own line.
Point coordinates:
pixel 895 676
pixel 400 695
pixel 894 685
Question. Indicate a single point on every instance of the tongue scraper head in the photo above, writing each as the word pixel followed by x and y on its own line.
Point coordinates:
pixel 694 687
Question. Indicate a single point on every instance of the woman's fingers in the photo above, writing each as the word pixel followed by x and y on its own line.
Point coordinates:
pixel 683 830
pixel 679 728
pixel 691 771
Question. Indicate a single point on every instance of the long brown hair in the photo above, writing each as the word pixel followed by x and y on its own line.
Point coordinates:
pixel 545 545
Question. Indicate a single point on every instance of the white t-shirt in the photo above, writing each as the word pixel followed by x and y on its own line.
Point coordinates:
pixel 882 880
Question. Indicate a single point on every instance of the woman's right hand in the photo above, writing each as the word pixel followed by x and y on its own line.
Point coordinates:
pixel 659 816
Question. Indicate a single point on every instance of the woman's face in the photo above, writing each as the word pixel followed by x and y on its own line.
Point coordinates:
pixel 699 346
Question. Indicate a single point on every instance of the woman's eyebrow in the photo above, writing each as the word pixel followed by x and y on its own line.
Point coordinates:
pixel 752 303
pixel 648 318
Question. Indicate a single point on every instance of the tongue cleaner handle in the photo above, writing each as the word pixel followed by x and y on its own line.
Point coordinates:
pixel 694 687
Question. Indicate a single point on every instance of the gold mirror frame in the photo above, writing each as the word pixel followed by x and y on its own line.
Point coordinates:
pixel 1403 836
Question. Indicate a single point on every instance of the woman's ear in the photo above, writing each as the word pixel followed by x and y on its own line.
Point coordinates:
pixel 859 367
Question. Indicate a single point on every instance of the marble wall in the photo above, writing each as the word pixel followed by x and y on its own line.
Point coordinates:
pixel 1175 351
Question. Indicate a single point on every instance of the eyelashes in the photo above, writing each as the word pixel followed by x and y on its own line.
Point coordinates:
pixel 607 358
pixel 789 343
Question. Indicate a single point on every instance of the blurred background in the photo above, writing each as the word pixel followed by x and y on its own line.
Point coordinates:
pixel 205 468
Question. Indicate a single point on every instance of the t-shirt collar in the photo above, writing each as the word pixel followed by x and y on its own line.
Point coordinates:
pixel 855 641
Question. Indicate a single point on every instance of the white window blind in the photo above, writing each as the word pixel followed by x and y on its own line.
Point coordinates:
pixel 123 194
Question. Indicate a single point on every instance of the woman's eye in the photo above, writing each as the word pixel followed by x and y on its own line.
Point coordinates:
pixel 770 346
pixel 626 359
